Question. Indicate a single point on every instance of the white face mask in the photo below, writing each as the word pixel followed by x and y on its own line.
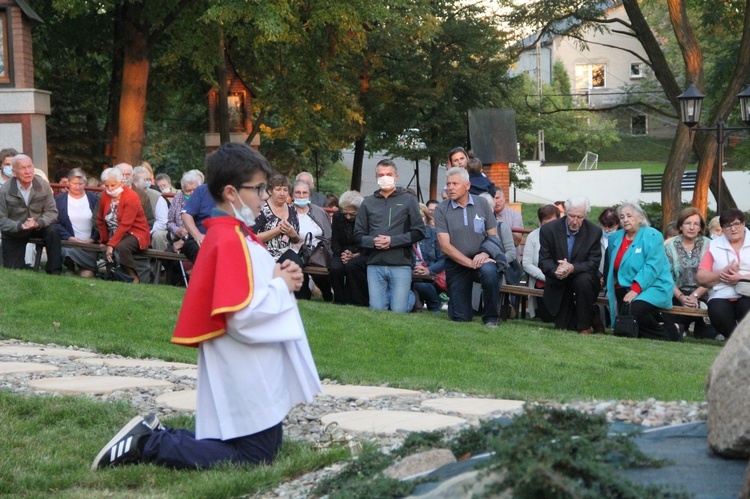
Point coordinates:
pixel 244 214
pixel 386 183
pixel 302 202
pixel 115 193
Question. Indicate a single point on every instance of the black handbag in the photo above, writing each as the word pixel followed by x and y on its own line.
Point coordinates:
pixel 305 251
pixel 626 325
pixel 116 273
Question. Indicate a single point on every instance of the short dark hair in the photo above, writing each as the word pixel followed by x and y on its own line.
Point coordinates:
pixel 7 152
pixel 387 162
pixel 61 173
pixel 474 165
pixel 233 164
pixel 279 180
pixel 609 218
pixel 730 215
pixel 428 203
pixel 547 211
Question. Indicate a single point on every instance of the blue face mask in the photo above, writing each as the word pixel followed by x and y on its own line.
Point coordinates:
pixel 302 202
pixel 8 171
pixel 609 234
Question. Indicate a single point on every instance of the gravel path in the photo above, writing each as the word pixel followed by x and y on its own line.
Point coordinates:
pixel 303 423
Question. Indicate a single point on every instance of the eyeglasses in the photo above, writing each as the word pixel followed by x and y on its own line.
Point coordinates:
pixel 349 214
pixel 734 225
pixel 576 217
pixel 691 224
pixel 259 189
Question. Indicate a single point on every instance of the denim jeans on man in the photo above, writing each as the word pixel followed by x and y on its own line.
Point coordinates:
pixel 390 288
pixel 460 281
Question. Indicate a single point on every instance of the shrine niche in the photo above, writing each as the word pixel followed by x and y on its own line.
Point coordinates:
pixel 23 109
pixel 239 103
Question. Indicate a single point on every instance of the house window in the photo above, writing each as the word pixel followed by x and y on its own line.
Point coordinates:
pixel 638 124
pixel 636 70
pixel 591 76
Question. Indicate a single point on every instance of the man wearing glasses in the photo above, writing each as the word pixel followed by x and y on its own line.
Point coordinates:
pixel 569 257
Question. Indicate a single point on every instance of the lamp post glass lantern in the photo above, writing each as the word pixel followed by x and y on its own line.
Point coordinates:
pixel 691 102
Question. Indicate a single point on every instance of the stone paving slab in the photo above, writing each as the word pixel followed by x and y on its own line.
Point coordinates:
pixel 116 362
pixel 380 422
pixel 52 352
pixel 371 392
pixel 184 400
pixel 191 373
pixel 95 384
pixel 25 367
pixel 473 406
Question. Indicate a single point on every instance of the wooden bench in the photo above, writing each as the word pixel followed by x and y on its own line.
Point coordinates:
pixel 156 255
pixel 527 292
pixel 159 256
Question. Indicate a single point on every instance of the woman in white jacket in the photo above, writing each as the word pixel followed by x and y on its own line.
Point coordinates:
pixel 724 264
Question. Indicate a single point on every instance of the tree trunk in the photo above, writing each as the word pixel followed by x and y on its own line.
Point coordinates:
pixel 111 127
pixel 223 104
pixel 359 157
pixel 136 66
pixel 671 187
pixel 434 166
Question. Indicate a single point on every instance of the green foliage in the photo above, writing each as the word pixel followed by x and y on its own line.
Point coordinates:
pixel 361 478
pixel 543 453
pixel 551 453
pixel 420 441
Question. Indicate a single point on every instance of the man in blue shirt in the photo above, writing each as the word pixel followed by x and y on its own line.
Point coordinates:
pixel 197 209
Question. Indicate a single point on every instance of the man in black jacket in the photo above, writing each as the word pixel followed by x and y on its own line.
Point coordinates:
pixel 388 224
pixel 569 256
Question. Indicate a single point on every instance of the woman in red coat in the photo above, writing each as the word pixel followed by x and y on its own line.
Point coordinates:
pixel 122 222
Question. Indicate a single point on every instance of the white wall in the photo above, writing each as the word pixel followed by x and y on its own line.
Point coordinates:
pixel 610 187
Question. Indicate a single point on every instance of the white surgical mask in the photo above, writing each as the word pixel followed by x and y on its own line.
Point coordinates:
pixel 244 214
pixel 386 182
pixel 115 193
pixel 301 202
pixel 8 171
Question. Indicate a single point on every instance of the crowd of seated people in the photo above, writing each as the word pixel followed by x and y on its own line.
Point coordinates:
pixel 641 272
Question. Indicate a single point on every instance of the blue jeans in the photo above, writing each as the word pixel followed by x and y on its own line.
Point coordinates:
pixel 390 288
pixel 180 449
pixel 430 295
pixel 460 281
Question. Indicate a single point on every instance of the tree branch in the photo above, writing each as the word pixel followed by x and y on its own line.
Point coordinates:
pixel 599 109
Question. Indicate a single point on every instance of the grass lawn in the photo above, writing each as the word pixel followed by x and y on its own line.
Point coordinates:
pixel 521 359
pixel 55 438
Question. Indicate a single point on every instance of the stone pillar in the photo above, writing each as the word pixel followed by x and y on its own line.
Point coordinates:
pixel 23 109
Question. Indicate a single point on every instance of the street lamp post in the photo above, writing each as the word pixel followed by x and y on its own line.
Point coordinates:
pixel 691 101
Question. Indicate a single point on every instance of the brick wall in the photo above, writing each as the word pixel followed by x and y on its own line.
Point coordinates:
pixel 499 174
pixel 20 45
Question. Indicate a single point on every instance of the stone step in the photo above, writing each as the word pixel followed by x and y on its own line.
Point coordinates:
pixel 25 367
pixel 474 406
pixel 95 384
pixel 389 422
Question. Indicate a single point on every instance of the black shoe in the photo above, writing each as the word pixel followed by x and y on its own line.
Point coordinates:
pixel 152 420
pixel 127 445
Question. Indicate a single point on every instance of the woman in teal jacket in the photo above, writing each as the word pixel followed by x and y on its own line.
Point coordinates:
pixel 639 274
